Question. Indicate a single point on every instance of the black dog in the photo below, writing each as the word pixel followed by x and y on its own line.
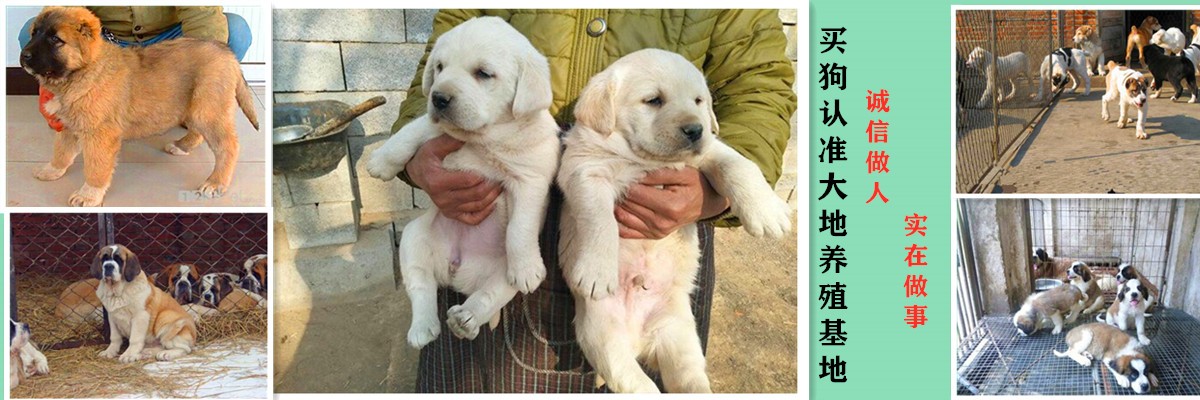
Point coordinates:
pixel 1175 69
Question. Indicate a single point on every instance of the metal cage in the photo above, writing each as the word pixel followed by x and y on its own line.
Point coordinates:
pixel 50 252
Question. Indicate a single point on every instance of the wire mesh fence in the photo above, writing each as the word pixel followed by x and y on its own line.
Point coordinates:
pixel 52 254
pixel 998 53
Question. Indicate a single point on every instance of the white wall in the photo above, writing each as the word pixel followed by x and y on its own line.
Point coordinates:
pixel 16 16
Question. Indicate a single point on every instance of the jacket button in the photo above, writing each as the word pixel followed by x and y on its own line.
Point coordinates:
pixel 597 27
pixel 137 28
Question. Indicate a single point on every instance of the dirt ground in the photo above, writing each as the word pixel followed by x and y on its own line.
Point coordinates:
pixel 358 345
pixel 1072 150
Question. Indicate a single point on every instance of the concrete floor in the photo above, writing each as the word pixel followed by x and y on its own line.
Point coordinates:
pixel 1071 150
pixel 145 175
pixel 341 326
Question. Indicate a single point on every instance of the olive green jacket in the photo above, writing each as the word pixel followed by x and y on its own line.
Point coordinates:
pixel 135 24
pixel 741 52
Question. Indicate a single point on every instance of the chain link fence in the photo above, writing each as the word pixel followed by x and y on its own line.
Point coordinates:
pixel 52 254
pixel 994 105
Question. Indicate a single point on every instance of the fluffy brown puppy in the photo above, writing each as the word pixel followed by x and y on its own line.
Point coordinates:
pixel 78 303
pixel 138 310
pixel 104 94
pixel 1041 309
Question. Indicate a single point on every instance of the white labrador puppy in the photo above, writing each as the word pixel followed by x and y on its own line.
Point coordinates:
pixel 649 110
pixel 1172 40
pixel 489 87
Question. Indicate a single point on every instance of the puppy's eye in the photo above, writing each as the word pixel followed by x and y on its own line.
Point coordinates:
pixel 55 40
pixel 439 67
pixel 481 74
pixel 655 101
pixel 699 100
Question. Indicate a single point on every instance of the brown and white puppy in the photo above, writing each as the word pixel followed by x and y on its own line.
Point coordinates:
pixel 1127 272
pixel 104 94
pixel 254 274
pixel 1088 39
pixel 138 310
pixel 1139 36
pixel 1130 304
pixel 78 303
pixel 1048 267
pixel 1080 275
pixel 1117 350
pixel 24 359
pixel 1049 307
pixel 1128 88
pixel 180 281
pixel 220 291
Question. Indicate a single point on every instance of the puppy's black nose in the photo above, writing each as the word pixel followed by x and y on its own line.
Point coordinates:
pixel 692 131
pixel 1133 295
pixel 26 55
pixel 440 100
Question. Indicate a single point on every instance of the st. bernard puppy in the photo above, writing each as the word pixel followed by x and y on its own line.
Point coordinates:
pixel 1117 350
pixel 24 359
pixel 137 310
pixel 220 291
pixel 1128 88
pixel 649 110
pixel 78 303
pixel 254 274
pixel 1049 307
pixel 180 281
pixel 1081 277
pixel 1131 304
pixel 1127 272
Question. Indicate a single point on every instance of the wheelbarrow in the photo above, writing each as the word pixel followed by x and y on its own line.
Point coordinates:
pixel 310 137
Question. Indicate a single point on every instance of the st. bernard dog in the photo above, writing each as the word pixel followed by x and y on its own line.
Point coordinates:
pixel 1127 272
pixel 220 291
pixel 254 274
pixel 24 359
pixel 180 281
pixel 137 310
pixel 1081 277
pixel 1131 304
pixel 1049 307
pixel 1117 350
pixel 78 303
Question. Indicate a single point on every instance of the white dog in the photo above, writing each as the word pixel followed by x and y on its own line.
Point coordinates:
pixel 24 359
pixel 1131 304
pixel 1172 40
pixel 1088 40
pixel 649 110
pixel 1128 88
pixel 1061 64
pixel 489 87
pixel 1006 68
pixel 1192 53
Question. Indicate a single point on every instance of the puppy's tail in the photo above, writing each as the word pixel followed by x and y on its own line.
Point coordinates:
pixel 1058 354
pixel 246 102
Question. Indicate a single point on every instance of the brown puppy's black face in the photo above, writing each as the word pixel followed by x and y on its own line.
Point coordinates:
pixel 114 264
pixel 62 40
pixel 1136 89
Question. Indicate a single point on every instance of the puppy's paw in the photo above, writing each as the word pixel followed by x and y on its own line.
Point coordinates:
pixel 462 322
pixel 48 173
pixel 422 331
pixel 1145 341
pixel 168 355
pixel 130 356
pixel 1057 330
pixel 595 277
pixel 1141 134
pixel 41 366
pixel 1105 117
pixel 110 353
pixel 380 166
pixel 526 273
pixel 1155 95
pixel 212 189
pixel 1193 100
pixel 1121 123
pixel 86 196
pixel 771 217
pixel 172 149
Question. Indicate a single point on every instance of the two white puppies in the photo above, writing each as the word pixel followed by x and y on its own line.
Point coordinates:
pixel 490 88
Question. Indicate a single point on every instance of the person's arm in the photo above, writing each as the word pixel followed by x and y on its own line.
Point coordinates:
pixel 751 80
pixel 204 23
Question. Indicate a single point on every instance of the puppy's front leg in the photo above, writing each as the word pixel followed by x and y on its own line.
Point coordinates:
pixel 100 151
pixel 761 211
pixel 138 328
pixel 1141 121
pixel 1140 321
pixel 114 340
pixel 388 160
pixel 66 147
pixel 1057 318
pixel 590 198
pixel 527 203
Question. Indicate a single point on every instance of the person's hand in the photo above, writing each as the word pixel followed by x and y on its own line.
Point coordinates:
pixel 462 196
pixel 665 200
pixel 43 97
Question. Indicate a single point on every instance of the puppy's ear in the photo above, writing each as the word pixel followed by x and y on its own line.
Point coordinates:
pixel 427 76
pixel 712 118
pixel 533 84
pixel 224 287
pixel 1121 293
pixel 132 267
pixel 1085 273
pixel 97 271
pixel 596 107
pixel 161 279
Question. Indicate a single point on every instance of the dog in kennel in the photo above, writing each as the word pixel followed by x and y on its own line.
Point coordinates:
pixel 1102 303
